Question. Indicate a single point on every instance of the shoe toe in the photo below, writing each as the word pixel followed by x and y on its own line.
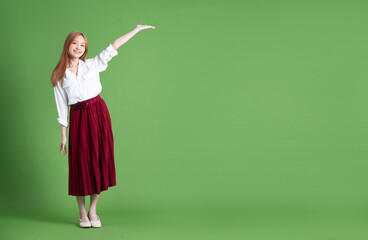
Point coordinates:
pixel 96 223
pixel 84 223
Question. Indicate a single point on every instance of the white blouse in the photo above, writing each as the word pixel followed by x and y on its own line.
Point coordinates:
pixel 84 86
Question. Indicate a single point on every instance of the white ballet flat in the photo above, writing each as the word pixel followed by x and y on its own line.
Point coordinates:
pixel 84 222
pixel 95 223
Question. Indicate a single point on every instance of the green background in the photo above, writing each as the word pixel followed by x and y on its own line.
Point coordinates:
pixel 231 120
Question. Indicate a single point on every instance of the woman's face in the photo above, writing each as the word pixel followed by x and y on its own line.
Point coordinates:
pixel 76 49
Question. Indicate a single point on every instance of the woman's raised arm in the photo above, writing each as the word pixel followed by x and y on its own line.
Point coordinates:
pixel 123 39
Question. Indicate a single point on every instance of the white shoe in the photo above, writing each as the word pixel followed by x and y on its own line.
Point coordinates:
pixel 84 222
pixel 95 223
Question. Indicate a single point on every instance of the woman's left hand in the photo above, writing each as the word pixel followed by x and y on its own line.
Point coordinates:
pixel 141 27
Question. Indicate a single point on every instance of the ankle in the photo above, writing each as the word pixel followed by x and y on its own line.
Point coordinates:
pixel 83 214
pixel 91 212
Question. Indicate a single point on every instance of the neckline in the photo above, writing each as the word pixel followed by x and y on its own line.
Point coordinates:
pixel 79 61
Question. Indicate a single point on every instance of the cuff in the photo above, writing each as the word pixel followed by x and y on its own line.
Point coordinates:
pixel 62 122
pixel 111 50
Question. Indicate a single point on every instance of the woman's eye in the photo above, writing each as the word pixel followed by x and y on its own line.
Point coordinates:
pixel 76 43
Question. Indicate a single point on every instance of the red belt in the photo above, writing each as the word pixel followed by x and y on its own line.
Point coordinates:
pixel 86 103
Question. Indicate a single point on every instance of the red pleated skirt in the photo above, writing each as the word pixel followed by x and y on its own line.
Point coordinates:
pixel 91 148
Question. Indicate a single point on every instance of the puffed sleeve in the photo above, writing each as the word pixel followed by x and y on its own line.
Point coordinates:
pixel 99 63
pixel 62 107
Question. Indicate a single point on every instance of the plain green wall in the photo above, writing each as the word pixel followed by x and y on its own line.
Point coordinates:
pixel 225 106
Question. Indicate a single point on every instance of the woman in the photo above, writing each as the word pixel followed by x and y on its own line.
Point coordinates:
pixel 76 83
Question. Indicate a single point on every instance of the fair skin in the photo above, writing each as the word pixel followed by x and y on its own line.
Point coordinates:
pixel 76 50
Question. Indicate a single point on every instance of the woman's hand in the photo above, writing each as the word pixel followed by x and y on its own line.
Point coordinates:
pixel 141 27
pixel 63 145
pixel 123 39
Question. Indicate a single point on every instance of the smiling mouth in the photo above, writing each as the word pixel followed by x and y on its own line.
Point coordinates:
pixel 77 52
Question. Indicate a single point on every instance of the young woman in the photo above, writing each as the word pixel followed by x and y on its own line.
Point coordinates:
pixel 76 83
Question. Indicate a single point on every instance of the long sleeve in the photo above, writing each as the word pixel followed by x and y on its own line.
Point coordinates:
pixel 99 62
pixel 61 99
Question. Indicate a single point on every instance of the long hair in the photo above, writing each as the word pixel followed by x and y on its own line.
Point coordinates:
pixel 59 72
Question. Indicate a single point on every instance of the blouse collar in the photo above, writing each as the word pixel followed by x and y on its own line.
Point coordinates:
pixel 80 69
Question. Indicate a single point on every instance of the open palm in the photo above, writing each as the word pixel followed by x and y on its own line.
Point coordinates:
pixel 141 27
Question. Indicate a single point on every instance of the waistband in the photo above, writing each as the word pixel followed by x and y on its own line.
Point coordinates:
pixel 86 103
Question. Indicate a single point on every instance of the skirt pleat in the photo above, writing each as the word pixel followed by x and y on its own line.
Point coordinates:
pixel 91 150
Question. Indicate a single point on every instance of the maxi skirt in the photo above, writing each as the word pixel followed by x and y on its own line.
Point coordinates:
pixel 91 148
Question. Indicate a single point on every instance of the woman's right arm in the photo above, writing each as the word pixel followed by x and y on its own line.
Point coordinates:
pixel 63 140
pixel 62 107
